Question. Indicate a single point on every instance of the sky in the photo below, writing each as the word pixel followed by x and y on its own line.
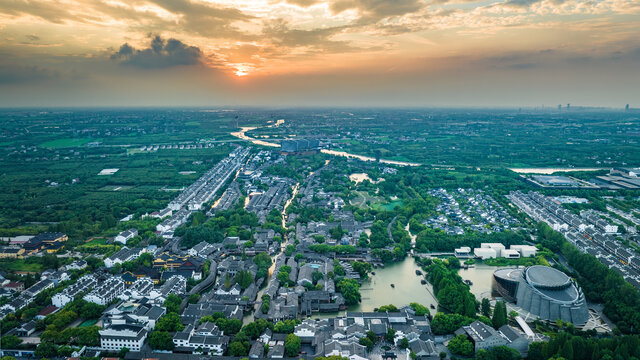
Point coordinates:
pixel 517 53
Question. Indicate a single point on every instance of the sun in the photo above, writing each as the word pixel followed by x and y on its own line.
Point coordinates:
pixel 242 70
pixel 241 73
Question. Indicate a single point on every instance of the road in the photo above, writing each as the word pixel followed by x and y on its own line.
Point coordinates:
pixel 208 281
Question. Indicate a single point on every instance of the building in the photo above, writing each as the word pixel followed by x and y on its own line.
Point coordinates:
pixel 9 252
pixel 118 336
pixel 482 335
pixel 82 285
pixel 206 336
pixel 544 292
pixel 510 254
pixel 497 247
pixel 124 236
pixel 124 254
pixel 525 250
pixel 300 146
pixel 106 292
pixel 485 253
pixel 462 252
pixel 44 241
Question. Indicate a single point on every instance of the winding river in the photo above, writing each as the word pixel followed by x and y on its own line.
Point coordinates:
pixel 242 134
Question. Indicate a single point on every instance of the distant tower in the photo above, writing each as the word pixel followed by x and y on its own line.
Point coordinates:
pixel 626 107
pixel 568 106
pixel 559 107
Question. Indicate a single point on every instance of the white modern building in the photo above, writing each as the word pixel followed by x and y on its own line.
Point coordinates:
pixel 525 250
pixel 124 254
pixel 126 235
pixel 106 292
pixel 485 253
pixel 497 247
pixel 69 294
pixel 463 251
pixel 119 336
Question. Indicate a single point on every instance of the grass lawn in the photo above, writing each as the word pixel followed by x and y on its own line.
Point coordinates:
pixel 12 265
pixel 65 143
pixel 88 323
pixel 390 206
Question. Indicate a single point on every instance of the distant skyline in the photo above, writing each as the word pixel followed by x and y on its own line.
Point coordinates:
pixel 513 53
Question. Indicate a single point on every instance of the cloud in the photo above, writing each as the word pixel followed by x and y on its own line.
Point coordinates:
pixel 374 10
pixel 204 18
pixel 20 74
pixel 160 54
pixel 303 3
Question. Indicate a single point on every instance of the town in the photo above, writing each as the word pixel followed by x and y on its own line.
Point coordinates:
pixel 297 252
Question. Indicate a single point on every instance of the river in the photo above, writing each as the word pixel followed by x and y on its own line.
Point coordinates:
pixel 243 130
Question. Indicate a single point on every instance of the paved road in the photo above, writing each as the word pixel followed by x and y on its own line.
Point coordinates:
pixel 390 225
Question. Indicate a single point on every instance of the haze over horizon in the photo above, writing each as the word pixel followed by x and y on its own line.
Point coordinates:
pixel 515 53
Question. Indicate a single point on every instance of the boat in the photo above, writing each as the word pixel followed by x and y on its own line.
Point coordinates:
pixel 468 282
pixel 373 273
pixel 418 272
pixel 433 307
pixel 393 285
pixel 423 281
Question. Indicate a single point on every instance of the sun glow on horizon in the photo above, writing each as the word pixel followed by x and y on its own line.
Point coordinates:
pixel 242 70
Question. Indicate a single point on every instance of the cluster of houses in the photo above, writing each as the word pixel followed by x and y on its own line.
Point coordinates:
pixel 469 210
pixel 589 233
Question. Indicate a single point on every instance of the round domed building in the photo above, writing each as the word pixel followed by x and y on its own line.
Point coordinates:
pixel 543 291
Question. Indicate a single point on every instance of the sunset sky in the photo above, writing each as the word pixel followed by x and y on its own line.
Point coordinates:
pixel 325 53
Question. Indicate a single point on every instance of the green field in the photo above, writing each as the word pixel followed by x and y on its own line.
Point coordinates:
pixel 64 143
pixel 13 265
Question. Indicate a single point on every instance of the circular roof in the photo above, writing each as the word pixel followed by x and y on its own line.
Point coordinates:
pixel 547 277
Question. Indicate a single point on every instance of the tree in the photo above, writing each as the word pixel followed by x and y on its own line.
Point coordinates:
pixel 419 309
pixel 161 340
pixel 193 298
pixel 388 308
pixel 535 351
pixel 372 336
pixel 285 326
pixel 46 350
pixel 169 322
pixel 499 314
pixel 448 323
pixel 123 352
pixel 172 303
pixel 403 343
pixel 567 351
pixel 485 307
pixel 244 279
pixel 236 348
pixel 460 345
pixel 350 290
pixel 11 342
pixel 391 333
pixel 469 305
pixel 365 341
pixel 292 345
pixel 498 353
